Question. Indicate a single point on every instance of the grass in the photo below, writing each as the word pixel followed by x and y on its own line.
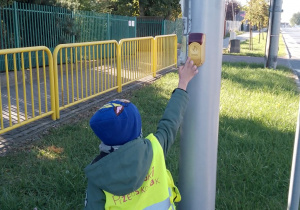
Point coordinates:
pixel 258 110
pixel 259 47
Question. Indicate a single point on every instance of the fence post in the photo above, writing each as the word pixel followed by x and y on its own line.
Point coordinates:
pixel 154 56
pixel 135 26
pixel 72 17
pixel 16 33
pixel 163 27
pixel 108 27
pixel 119 77
pixel 175 50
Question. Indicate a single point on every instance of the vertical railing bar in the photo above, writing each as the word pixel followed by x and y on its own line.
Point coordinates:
pixel 135 58
pixel 130 75
pixel 104 66
pixel 45 81
pixel 1 116
pixel 111 67
pixel 76 67
pixel 9 28
pixel 101 71
pixel 72 79
pixel 94 69
pixel 67 74
pixel 90 70
pixel 148 57
pixel 24 85
pixel 21 26
pixel 61 77
pixel 115 57
pixel 8 90
pixel 86 81
pixel 81 74
pixel 127 59
pixel 139 58
pixel 16 86
pixel 2 39
pixel 31 84
pixel 38 80
pixel 97 55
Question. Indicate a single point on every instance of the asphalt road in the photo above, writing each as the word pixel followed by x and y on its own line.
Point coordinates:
pixel 292 40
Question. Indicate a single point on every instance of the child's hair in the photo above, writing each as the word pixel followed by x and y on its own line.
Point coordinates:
pixel 117 122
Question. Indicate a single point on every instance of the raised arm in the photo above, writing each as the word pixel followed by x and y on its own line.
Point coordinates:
pixel 174 112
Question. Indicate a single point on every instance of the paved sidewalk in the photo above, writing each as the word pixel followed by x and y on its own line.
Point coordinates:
pixel 243 37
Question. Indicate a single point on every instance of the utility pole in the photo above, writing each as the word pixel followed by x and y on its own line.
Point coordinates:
pixel 199 131
pixel 273 34
pixel 294 189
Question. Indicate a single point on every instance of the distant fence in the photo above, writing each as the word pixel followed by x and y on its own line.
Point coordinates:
pixel 154 26
pixel 232 26
pixel 25 25
pixel 76 72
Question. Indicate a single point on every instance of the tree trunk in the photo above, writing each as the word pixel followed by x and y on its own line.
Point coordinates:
pixel 259 31
pixel 142 10
pixel 250 38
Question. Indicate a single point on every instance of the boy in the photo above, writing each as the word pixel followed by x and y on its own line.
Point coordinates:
pixel 130 172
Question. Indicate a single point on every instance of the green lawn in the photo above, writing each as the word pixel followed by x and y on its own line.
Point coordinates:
pixel 258 111
pixel 259 47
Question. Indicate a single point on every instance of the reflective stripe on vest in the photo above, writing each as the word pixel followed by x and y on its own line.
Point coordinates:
pixel 156 190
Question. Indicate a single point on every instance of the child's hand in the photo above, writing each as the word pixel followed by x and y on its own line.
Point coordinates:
pixel 186 73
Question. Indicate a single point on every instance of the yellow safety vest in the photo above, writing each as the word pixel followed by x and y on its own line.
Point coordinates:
pixel 157 192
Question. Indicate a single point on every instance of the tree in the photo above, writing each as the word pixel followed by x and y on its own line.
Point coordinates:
pixel 168 9
pixel 125 7
pixel 232 7
pixel 256 14
pixel 4 3
pixel 295 20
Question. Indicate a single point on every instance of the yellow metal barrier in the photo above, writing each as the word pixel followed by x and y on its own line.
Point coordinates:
pixel 84 70
pixel 75 73
pixel 165 52
pixel 135 58
pixel 28 89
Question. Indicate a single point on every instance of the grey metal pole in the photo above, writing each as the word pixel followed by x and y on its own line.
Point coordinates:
pixel 199 131
pixel 294 190
pixel 274 34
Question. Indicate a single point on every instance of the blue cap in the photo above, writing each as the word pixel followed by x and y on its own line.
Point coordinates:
pixel 117 122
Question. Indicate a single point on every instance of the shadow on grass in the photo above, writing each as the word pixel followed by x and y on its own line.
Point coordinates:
pixel 253 165
pixel 272 80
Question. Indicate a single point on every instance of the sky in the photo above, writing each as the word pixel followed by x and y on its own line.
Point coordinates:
pixel 289 8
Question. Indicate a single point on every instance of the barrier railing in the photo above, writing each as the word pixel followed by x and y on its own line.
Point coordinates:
pixel 26 99
pixel 75 73
pixel 90 69
pixel 135 59
pixel 166 51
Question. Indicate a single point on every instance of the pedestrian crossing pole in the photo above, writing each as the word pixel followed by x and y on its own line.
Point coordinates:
pixel 199 131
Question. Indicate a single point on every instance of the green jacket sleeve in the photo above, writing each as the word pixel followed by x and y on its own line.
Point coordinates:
pixel 95 198
pixel 172 118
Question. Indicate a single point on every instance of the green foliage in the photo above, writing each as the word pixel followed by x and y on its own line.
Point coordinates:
pixel 101 6
pixel 257 12
pixel 4 3
pixel 231 9
pixel 295 20
pixel 168 9
pixel 125 7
